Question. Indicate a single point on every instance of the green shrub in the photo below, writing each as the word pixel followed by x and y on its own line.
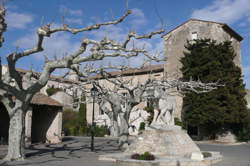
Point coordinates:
pixel 142 126
pixel 178 122
pixel 51 91
pixel 69 123
pixel 144 156
pixel 244 134
pixel 207 154
pixel 99 131
pixel 75 123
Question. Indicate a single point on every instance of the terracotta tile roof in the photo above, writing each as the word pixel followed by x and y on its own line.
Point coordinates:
pixel 134 71
pixel 224 26
pixel 41 99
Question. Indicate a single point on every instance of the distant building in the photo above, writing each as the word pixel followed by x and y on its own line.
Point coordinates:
pixel 137 75
pixel 175 40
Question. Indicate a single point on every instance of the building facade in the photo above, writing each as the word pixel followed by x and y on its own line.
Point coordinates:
pixel 50 108
pixel 138 114
pixel 175 40
pixel 43 120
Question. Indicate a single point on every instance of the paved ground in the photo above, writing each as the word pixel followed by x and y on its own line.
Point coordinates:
pixel 233 155
pixel 72 152
pixel 75 152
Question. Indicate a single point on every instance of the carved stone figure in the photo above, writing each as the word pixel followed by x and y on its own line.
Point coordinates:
pixel 165 107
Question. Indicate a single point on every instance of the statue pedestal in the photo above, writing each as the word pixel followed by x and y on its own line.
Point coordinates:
pixel 170 145
pixel 165 141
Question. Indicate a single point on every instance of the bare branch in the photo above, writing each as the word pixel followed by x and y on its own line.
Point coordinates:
pixel 3 25
pixel 92 27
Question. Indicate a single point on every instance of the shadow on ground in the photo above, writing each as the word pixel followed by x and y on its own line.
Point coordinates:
pixel 72 148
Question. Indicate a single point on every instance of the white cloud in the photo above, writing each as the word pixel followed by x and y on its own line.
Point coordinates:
pixel 138 18
pixel 18 20
pixel 67 11
pixel 77 21
pixel 62 43
pixel 58 45
pixel 114 32
pixel 119 34
pixel 226 11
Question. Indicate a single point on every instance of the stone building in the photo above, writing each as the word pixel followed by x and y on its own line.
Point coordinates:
pixel 136 75
pixel 175 40
pixel 67 92
pixel 43 121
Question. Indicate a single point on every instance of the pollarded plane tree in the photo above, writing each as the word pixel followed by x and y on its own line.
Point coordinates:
pixel 16 90
pixel 127 93
pixel 122 97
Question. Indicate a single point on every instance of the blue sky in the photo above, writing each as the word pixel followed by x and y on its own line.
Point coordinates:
pixel 24 16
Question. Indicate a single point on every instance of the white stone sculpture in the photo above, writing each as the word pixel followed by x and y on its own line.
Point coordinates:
pixel 165 107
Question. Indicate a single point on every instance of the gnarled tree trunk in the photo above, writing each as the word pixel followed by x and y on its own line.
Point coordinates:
pixel 115 130
pixel 124 132
pixel 16 135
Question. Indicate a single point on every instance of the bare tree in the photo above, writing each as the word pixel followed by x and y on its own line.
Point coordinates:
pixel 17 90
pixel 112 115
pixel 126 94
pixel 114 100
pixel 122 104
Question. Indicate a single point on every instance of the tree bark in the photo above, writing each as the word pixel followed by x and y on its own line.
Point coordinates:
pixel 115 129
pixel 16 135
pixel 124 133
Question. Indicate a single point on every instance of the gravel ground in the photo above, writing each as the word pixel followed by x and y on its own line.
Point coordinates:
pixel 75 151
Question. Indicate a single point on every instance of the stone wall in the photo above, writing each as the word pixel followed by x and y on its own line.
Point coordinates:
pixel 63 98
pixel 46 124
pixel 175 41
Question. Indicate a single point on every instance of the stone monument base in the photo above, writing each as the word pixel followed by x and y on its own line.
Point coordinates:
pixel 167 141
pixel 171 146
pixel 123 159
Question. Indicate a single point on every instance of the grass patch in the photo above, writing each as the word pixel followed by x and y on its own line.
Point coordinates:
pixel 145 156
pixel 207 154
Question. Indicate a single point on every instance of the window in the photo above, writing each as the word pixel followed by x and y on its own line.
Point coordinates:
pixel 194 36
